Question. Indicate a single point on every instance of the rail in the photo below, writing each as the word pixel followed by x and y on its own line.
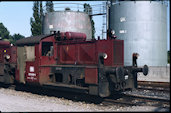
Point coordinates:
pixel 154 86
pixel 97 9
pixel 138 100
pixel 164 2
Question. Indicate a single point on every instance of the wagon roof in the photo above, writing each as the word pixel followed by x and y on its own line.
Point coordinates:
pixel 31 40
pixel 4 43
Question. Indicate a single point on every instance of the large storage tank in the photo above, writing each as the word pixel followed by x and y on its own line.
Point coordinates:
pixel 143 27
pixel 68 20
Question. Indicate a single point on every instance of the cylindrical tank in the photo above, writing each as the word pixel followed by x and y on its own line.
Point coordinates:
pixel 67 21
pixel 143 27
pixel 75 35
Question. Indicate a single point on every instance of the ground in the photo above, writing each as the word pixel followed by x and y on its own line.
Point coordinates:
pixel 19 101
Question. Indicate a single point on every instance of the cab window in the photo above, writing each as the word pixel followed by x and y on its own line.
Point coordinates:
pixel 30 53
pixel 47 48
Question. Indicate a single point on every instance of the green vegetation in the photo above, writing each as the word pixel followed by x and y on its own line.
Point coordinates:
pixel 88 10
pixel 49 6
pixel 5 35
pixel 37 19
pixel 16 37
pixel 67 9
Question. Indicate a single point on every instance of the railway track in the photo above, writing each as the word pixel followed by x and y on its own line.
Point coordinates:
pixel 154 86
pixel 154 89
pixel 138 100
pixel 144 100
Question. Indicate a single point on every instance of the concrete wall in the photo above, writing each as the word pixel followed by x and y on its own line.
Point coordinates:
pixel 157 74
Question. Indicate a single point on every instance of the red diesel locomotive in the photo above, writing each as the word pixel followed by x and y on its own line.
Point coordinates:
pixel 67 61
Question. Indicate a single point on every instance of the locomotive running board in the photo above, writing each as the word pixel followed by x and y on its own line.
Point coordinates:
pixel 66 87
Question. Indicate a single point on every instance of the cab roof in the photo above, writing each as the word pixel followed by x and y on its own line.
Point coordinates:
pixel 31 40
pixel 4 43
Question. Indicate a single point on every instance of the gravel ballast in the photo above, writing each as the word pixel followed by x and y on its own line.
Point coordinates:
pixel 19 101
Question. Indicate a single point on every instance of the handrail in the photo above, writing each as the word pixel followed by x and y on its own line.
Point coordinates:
pixel 96 8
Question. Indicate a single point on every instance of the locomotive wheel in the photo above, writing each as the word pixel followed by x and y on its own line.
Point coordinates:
pixel 8 78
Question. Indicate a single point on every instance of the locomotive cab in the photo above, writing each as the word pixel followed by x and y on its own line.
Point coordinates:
pixel 32 53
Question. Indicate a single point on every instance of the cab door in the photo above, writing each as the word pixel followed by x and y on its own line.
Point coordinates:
pixel 32 69
pixel 47 60
pixel 21 58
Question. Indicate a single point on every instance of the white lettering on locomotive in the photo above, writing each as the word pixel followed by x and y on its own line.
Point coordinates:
pixel 31 68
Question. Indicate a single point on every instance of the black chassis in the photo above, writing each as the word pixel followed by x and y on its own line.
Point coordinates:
pixel 110 79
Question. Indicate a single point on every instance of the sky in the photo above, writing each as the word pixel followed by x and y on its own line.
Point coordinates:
pixel 16 17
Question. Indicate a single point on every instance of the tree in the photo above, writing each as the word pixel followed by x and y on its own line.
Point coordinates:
pixel 88 10
pixel 49 6
pixel 36 20
pixel 15 37
pixel 41 15
pixel 4 33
